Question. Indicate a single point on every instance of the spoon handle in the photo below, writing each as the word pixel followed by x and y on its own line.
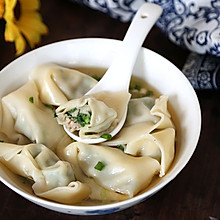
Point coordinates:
pixel 121 69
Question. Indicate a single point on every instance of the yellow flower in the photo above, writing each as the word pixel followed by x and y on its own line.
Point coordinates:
pixel 1 8
pixel 28 25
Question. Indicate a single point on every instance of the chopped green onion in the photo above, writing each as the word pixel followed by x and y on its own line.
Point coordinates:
pixel 24 179
pixel 89 133
pixel 31 99
pixel 149 93
pixel 80 118
pixel 121 147
pixel 86 118
pixel 99 166
pixel 137 87
pixel 70 112
pixel 83 119
pixel 50 106
pixel 96 77
pixel 106 136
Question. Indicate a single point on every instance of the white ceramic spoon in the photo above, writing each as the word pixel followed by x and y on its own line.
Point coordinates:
pixel 117 77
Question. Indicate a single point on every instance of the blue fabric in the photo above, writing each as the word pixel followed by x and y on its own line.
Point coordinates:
pixel 202 71
pixel 194 24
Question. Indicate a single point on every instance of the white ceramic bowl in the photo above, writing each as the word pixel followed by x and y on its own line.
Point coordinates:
pixel 151 67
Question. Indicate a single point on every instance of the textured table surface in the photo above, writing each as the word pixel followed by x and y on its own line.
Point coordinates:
pixel 194 193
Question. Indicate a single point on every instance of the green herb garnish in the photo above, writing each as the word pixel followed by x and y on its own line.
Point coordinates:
pixel 99 166
pixel 78 117
pixel 24 179
pixel 121 147
pixel 96 77
pixel 106 136
pixel 137 87
pixel 83 119
pixel 50 106
pixel 31 99
pixel 149 93
pixel 89 133
pixel 86 118
pixel 70 112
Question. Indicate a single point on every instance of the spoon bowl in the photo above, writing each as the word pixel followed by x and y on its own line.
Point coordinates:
pixel 117 77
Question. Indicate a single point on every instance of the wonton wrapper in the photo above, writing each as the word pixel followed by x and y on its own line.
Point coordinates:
pixel 53 179
pixel 102 117
pixel 153 136
pixel 7 128
pixel 157 117
pixel 57 84
pixel 34 120
pixel 139 111
pixel 122 173
pixel 159 145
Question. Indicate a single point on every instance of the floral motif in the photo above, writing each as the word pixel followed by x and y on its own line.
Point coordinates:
pixel 194 24
pixel 205 80
pixel 203 71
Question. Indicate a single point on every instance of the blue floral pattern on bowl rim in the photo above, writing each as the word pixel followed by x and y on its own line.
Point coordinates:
pixel 193 24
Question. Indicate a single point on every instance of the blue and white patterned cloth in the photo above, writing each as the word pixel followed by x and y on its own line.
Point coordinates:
pixel 194 24
pixel 202 71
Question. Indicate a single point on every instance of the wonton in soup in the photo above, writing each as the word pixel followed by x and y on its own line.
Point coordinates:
pixel 33 145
